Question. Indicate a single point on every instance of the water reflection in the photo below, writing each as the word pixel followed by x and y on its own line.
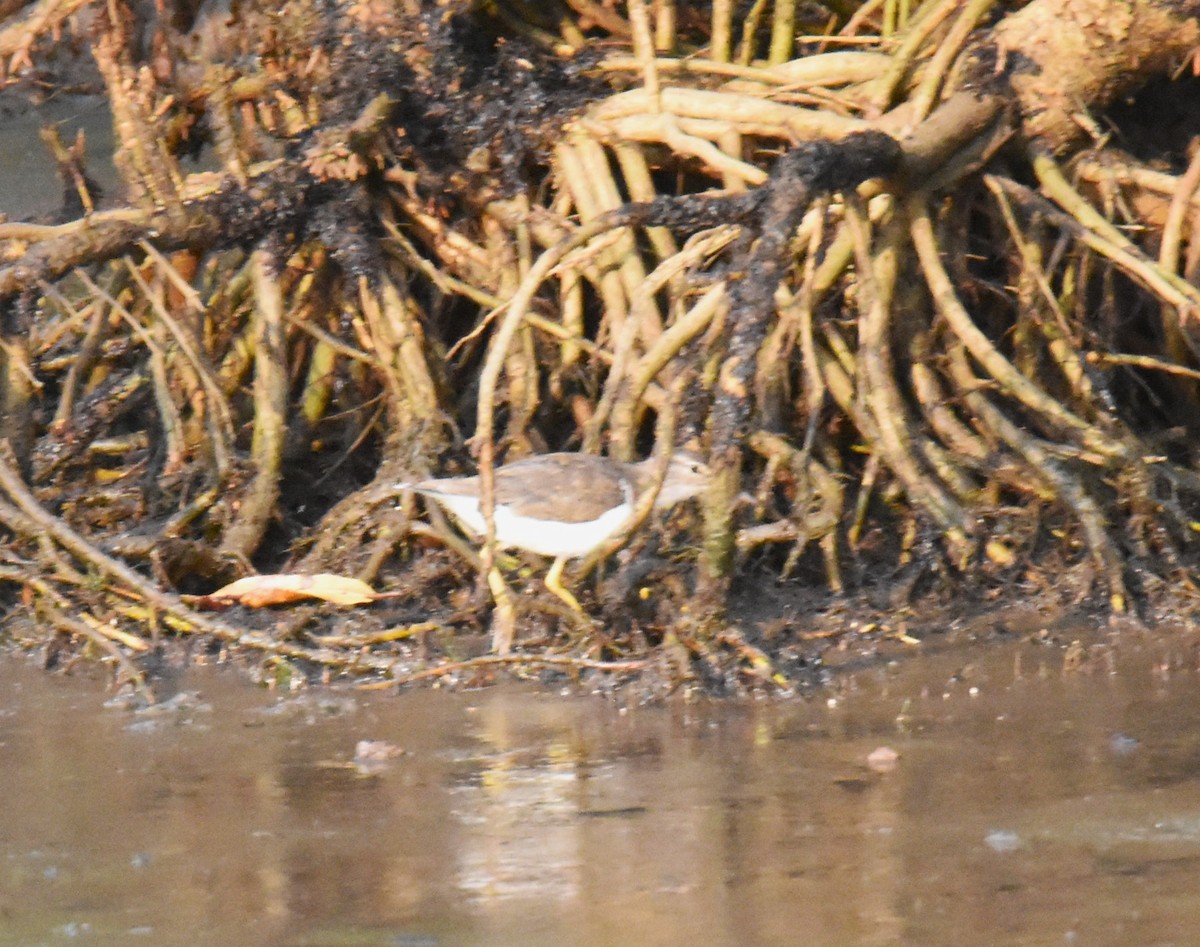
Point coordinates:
pixel 1025 806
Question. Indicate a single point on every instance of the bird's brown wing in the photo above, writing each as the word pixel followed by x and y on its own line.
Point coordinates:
pixel 570 488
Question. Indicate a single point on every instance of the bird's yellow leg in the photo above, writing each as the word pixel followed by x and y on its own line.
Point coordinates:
pixel 554 584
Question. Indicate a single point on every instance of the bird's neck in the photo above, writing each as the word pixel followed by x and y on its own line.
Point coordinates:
pixel 644 474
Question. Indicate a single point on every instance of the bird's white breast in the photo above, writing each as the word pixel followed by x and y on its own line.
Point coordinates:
pixel 545 537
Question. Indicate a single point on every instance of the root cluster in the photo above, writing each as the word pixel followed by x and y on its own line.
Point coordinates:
pixel 924 326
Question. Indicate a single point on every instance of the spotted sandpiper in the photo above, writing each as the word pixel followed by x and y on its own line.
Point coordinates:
pixel 564 505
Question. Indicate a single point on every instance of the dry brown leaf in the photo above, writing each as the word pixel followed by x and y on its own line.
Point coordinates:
pixel 257 591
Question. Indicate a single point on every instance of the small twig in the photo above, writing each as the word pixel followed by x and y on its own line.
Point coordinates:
pixel 75 626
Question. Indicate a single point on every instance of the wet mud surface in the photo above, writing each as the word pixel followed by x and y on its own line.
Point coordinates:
pixel 1042 789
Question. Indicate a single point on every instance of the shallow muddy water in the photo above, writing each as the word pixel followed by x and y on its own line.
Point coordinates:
pixel 1026 806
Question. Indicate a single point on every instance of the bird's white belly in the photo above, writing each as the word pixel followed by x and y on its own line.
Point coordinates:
pixel 546 538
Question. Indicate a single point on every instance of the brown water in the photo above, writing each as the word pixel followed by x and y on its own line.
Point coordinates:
pixel 1026 807
pixel 29 181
